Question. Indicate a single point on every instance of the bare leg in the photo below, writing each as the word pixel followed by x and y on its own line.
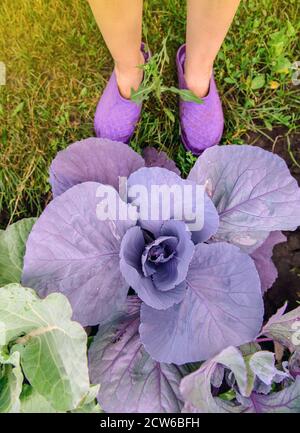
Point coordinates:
pixel 207 24
pixel 120 22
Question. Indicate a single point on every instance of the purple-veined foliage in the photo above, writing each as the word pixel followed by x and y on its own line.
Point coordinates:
pixel 199 290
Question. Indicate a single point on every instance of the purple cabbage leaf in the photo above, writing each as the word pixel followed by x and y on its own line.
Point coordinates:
pixel 130 380
pixel 154 158
pixel 252 190
pixel 252 379
pixel 93 160
pixel 222 298
pixel 71 251
pixel 262 257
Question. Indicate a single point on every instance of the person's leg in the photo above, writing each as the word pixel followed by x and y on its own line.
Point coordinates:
pixel 207 24
pixel 120 22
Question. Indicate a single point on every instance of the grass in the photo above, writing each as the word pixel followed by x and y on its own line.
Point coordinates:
pixel 57 66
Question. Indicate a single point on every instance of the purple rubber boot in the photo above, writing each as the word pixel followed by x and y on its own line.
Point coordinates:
pixel 116 117
pixel 201 124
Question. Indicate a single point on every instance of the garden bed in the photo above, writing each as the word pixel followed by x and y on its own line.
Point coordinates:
pixel 286 255
pixel 210 304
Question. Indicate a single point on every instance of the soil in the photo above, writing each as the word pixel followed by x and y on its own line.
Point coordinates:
pixel 286 256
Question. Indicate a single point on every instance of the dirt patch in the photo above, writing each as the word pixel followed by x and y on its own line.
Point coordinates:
pixel 287 255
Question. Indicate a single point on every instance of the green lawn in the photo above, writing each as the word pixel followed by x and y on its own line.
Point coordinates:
pixel 57 66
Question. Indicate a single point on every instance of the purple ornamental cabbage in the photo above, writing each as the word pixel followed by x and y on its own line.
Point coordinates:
pixel 199 291
pixel 253 382
pixel 251 377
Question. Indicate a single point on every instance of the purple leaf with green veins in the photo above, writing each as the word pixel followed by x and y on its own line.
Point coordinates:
pixel 130 380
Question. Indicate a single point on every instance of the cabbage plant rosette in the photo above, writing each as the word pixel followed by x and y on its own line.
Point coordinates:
pixel 196 292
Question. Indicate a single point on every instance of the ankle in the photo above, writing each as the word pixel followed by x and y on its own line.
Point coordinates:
pixel 198 79
pixel 129 76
